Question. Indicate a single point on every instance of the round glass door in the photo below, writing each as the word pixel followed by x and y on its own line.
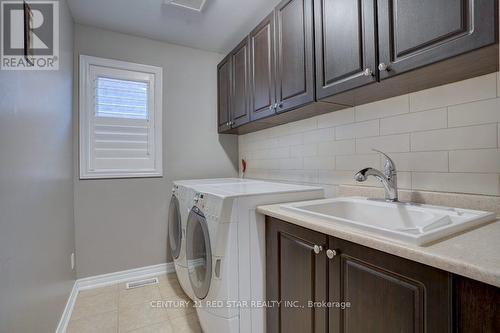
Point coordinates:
pixel 174 227
pixel 199 254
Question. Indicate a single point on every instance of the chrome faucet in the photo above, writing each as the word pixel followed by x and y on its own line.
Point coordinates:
pixel 388 178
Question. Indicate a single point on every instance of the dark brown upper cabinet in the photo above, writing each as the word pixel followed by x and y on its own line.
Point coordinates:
pixel 240 97
pixel 262 70
pixel 224 94
pixel 413 34
pixel 310 57
pixel 294 54
pixel 345 45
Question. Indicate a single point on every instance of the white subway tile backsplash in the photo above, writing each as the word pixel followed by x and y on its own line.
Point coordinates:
pixel 295 163
pixel 294 176
pixel 323 162
pixel 334 177
pixel 385 108
pixel 289 140
pixel 357 162
pixel 336 118
pixel 388 144
pixel 267 153
pixel 404 180
pixel 479 183
pixel 263 164
pixel 471 137
pixel 319 135
pixel 336 147
pixel 475 89
pixel 480 160
pixel 304 150
pixel 442 139
pixel 357 130
pixel 415 121
pixel 302 125
pixel 436 161
pixel 475 113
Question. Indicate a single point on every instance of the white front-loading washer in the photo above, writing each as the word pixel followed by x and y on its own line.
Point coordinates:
pixel 225 252
pixel 183 199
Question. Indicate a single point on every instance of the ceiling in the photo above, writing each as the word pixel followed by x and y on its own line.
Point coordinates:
pixel 221 25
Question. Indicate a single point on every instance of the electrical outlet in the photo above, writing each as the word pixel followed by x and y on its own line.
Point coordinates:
pixel 72 261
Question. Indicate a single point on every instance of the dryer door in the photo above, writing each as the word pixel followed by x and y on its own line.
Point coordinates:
pixel 174 227
pixel 198 252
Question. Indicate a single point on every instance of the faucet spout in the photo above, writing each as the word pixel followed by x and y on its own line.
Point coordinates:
pixel 388 178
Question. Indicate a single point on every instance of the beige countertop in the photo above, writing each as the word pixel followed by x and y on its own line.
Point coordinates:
pixel 474 254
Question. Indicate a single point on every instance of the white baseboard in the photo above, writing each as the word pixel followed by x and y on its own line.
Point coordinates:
pixel 107 280
pixel 123 276
pixel 68 309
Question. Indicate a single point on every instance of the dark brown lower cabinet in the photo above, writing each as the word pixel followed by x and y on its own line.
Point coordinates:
pixel 357 289
pixel 295 276
pixel 386 293
pixel 477 306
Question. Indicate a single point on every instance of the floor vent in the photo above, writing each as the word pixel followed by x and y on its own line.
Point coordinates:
pixel 141 283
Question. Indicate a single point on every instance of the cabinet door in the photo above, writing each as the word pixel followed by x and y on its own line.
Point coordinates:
pixel 262 70
pixel 239 86
pixel 294 54
pixel 417 33
pixel 387 294
pixel 295 273
pixel 223 94
pixel 477 306
pixel 345 45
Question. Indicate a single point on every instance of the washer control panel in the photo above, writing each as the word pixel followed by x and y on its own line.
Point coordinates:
pixel 209 205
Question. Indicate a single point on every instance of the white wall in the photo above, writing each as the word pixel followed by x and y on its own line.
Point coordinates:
pixel 121 223
pixel 442 139
pixel 36 192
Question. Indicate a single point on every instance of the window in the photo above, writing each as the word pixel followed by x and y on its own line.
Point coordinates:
pixel 120 119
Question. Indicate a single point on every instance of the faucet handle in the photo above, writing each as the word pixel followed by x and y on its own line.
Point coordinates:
pixel 390 166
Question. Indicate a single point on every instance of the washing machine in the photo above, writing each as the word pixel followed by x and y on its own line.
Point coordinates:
pixel 225 251
pixel 182 200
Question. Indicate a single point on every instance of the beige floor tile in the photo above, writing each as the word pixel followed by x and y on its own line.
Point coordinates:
pixel 101 323
pixel 164 327
pixel 140 315
pixel 139 295
pixel 172 290
pixel 180 310
pixel 92 305
pixel 168 294
pixel 97 291
pixel 186 324
pixel 169 281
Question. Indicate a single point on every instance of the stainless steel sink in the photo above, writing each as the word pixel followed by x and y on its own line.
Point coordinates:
pixel 404 222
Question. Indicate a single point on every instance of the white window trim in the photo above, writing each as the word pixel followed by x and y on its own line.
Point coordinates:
pixel 84 108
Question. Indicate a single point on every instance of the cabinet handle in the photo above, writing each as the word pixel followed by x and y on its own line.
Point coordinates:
pixel 317 249
pixel 383 67
pixel 331 253
pixel 368 72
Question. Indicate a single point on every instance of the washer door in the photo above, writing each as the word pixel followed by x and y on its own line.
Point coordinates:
pixel 199 254
pixel 174 227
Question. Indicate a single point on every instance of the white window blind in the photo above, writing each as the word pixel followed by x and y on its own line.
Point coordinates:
pixel 121 98
pixel 120 119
